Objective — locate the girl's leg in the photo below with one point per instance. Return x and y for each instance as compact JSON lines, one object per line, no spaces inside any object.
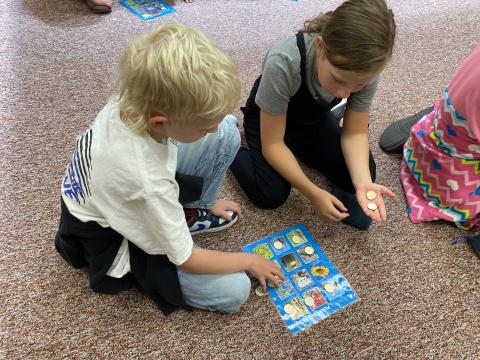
{"x":262,"y":184}
{"x":210,"y":158}
{"x":319,"y":146}
{"x":225,"y":292}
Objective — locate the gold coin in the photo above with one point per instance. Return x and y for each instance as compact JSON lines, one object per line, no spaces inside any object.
{"x":309,"y":250}
{"x":372,"y":206}
{"x":296,"y":239}
{"x":289,"y":309}
{"x":329,"y":287}
{"x":278,"y":245}
{"x":371,"y":195}
{"x":259,"y":291}
{"x":309,"y":301}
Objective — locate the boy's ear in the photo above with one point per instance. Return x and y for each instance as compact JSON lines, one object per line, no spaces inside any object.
{"x":157,"y":121}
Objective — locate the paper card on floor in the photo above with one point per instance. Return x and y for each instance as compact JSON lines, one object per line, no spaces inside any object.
{"x":313,"y":288}
{"x":147,"y":9}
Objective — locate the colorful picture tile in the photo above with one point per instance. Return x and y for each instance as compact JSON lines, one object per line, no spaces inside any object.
{"x":263,"y":250}
{"x":290,"y":262}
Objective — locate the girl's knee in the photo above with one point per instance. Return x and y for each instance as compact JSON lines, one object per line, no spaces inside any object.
{"x":271,"y":197}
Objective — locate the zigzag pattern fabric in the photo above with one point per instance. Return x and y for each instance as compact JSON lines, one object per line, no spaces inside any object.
{"x":441,"y":168}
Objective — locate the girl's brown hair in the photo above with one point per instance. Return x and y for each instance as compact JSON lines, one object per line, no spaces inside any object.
{"x":358,"y":35}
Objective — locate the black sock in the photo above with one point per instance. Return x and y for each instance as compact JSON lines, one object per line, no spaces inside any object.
{"x":357,"y":217}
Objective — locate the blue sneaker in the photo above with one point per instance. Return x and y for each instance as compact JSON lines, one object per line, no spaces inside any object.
{"x":205,"y":221}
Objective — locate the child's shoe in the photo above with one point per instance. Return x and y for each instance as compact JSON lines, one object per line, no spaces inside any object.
{"x":204,"y":221}
{"x":397,"y":133}
{"x":99,"y":8}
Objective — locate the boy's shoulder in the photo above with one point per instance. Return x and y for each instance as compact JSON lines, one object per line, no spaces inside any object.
{"x":117,"y":149}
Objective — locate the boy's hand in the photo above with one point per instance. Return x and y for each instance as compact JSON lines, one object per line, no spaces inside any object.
{"x":371,"y":193}
{"x":222,"y":207}
{"x":327,"y":205}
{"x":264,"y":270}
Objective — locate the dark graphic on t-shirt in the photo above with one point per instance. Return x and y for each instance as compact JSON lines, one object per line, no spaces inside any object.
{"x":76,"y":182}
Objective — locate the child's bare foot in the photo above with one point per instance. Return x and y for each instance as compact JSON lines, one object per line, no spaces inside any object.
{"x":100,"y":6}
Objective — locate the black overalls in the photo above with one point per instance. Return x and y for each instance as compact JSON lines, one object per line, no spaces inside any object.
{"x":312,"y":134}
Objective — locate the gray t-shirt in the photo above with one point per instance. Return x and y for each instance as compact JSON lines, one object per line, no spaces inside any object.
{"x":281,"y":79}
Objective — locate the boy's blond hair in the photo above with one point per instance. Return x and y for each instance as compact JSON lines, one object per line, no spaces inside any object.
{"x":359,"y":35}
{"x":178,"y":71}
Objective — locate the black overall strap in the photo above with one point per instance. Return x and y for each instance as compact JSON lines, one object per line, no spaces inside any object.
{"x":303,"y":55}
{"x":303,"y":66}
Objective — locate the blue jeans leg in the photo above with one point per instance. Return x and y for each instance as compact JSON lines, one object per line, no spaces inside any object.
{"x":224,"y":292}
{"x":209,"y":158}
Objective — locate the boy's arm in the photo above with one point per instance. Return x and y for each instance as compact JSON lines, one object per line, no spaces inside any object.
{"x":218,"y":262}
{"x":156,"y":224}
{"x":355,"y":148}
{"x":280,"y":157}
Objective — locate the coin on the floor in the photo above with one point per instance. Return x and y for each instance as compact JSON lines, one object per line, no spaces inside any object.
{"x":296,"y":239}
{"x":278,"y":245}
{"x":288,"y":308}
{"x":259,"y":291}
{"x":371,"y":195}
{"x":309,"y":301}
{"x":309,"y":250}
{"x":372,"y":206}
{"x":329,"y":287}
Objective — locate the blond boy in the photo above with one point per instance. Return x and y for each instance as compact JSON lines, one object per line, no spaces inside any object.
{"x":121,"y":214}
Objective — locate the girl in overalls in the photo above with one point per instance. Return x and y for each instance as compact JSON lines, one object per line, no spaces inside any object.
{"x":339,"y":54}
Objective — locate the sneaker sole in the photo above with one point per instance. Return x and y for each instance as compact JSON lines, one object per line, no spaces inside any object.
{"x":397,"y":133}
{"x":218,"y":228}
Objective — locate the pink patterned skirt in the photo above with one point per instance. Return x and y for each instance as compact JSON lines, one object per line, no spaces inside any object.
{"x":441,"y":168}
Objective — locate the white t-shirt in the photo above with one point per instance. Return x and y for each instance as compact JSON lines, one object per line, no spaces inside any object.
{"x":126,"y":181}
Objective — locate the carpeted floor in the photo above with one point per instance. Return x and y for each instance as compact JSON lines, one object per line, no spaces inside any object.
{"x":419,"y":295}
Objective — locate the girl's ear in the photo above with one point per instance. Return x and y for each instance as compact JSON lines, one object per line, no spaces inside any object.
{"x":319,"y":42}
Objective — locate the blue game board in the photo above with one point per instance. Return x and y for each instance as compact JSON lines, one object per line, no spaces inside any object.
{"x":147,"y":9}
{"x":313,"y":287}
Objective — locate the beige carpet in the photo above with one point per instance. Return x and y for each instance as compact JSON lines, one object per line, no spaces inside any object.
{"x":419,"y":296}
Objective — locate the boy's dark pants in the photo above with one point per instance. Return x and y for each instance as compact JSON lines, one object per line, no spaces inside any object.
{"x":88,"y":244}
